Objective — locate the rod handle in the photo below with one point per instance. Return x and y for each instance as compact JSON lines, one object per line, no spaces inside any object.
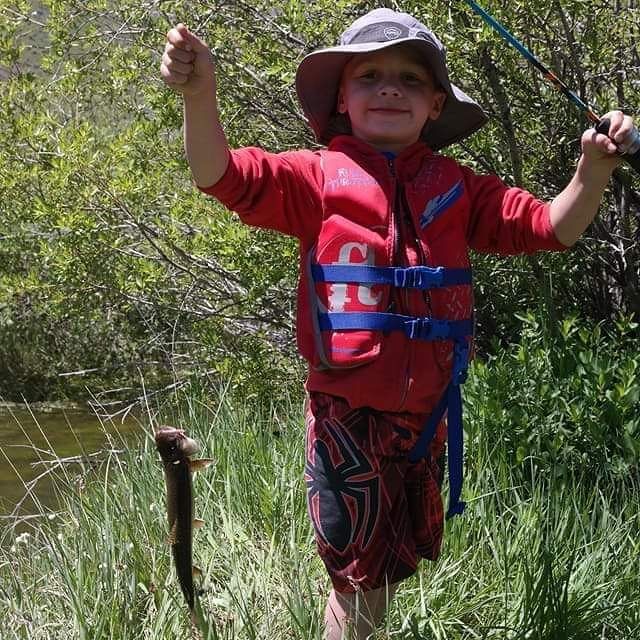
{"x":631,"y":159}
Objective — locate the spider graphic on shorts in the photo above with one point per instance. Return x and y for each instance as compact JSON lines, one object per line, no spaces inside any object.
{"x":342,"y":488}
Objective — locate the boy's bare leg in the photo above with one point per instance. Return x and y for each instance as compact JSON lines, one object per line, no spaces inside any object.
{"x":354,"y":616}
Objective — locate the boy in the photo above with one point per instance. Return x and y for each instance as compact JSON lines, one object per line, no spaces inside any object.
{"x":384,"y":301}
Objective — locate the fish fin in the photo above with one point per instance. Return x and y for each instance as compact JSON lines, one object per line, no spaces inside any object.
{"x":171,"y":538}
{"x":202,"y":463}
{"x":197,"y":523}
{"x":196,"y":571}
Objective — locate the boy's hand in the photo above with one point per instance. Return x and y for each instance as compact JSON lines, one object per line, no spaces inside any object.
{"x":573,"y":209}
{"x":602,"y":152}
{"x":187,"y":63}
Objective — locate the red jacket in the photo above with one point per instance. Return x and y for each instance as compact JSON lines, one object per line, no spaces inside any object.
{"x":350,"y":203}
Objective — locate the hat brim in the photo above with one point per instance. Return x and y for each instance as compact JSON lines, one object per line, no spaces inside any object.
{"x":318,"y":79}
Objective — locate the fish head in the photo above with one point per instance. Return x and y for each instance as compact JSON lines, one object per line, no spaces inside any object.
{"x":174,"y":444}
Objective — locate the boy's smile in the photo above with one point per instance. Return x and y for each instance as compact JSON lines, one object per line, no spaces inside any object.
{"x":389,"y":96}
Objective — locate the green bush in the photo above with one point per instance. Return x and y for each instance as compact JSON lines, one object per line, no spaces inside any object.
{"x":109,"y":258}
{"x":567,"y":404}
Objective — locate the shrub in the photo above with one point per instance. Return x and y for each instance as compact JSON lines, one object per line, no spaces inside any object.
{"x":567,"y":404}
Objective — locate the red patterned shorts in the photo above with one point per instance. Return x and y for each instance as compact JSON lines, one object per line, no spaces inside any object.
{"x":374,"y":514}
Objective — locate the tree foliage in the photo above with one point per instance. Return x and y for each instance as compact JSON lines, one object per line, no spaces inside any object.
{"x":111,"y":261}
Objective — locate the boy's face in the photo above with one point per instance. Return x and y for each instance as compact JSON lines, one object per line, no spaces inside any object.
{"x":389,"y":95}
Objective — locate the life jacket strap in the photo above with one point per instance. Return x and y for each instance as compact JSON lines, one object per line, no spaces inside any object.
{"x":451,"y":403}
{"x":417,"y":328}
{"x":403,"y":277}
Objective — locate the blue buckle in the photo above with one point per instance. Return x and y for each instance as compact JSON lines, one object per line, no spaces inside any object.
{"x":460,"y":361}
{"x":419,"y":277}
{"x":427,"y":329}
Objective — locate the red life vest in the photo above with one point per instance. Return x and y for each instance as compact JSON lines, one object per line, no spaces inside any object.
{"x":359,"y":229}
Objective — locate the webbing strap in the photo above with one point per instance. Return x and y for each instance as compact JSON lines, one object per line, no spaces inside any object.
{"x":455,"y":450}
{"x":404,"y":277}
{"x":415,"y":328}
{"x":451,"y":402}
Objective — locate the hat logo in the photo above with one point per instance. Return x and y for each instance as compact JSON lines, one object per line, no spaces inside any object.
{"x":392,"y":33}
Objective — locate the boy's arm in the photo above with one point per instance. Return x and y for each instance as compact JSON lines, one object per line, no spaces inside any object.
{"x":573,"y":209}
{"x":188,"y":68}
{"x":274,"y":191}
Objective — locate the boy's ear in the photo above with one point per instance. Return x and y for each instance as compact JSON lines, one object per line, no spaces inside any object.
{"x":438,"y":105}
{"x":341,"y":106}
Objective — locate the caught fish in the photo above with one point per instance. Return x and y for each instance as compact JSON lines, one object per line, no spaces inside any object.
{"x":176,"y":449}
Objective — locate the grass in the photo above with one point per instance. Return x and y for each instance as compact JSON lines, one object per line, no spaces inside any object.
{"x":533,"y":558}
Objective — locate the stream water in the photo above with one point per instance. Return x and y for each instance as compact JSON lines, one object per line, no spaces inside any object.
{"x":36,"y":445}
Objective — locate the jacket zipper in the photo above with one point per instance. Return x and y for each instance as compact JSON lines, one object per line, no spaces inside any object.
{"x":395,"y":229}
{"x":394,"y":184}
{"x":401,"y":207}
{"x":421,"y":254}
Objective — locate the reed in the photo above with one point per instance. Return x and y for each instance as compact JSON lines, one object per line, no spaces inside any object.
{"x":538,"y":555}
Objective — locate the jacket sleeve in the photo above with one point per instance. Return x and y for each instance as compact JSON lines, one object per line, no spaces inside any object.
{"x":274,"y":191}
{"x":507,"y":220}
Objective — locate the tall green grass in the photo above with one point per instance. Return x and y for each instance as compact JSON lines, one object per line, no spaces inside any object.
{"x":538,"y":554}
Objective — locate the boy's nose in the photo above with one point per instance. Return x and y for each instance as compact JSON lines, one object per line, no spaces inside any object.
{"x":389,"y":89}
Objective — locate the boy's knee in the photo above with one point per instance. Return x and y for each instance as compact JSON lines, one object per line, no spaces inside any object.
{"x":356,"y":613}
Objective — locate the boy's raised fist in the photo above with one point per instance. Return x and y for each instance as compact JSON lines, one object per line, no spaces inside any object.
{"x":187,"y":63}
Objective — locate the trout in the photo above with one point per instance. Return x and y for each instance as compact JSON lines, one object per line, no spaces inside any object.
{"x":176,"y":449}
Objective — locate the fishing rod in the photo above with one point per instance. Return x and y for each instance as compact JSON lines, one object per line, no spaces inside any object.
{"x":601,"y":125}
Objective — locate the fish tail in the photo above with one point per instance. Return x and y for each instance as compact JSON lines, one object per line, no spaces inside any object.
{"x":199,"y":621}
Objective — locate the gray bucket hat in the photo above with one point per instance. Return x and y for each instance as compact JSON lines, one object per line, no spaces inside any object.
{"x":319,"y":75}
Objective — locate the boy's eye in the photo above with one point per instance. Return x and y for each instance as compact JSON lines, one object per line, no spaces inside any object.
{"x":409,"y":77}
{"x":412,"y":78}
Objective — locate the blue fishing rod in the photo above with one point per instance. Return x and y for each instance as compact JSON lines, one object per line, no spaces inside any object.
{"x":601,"y":125}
